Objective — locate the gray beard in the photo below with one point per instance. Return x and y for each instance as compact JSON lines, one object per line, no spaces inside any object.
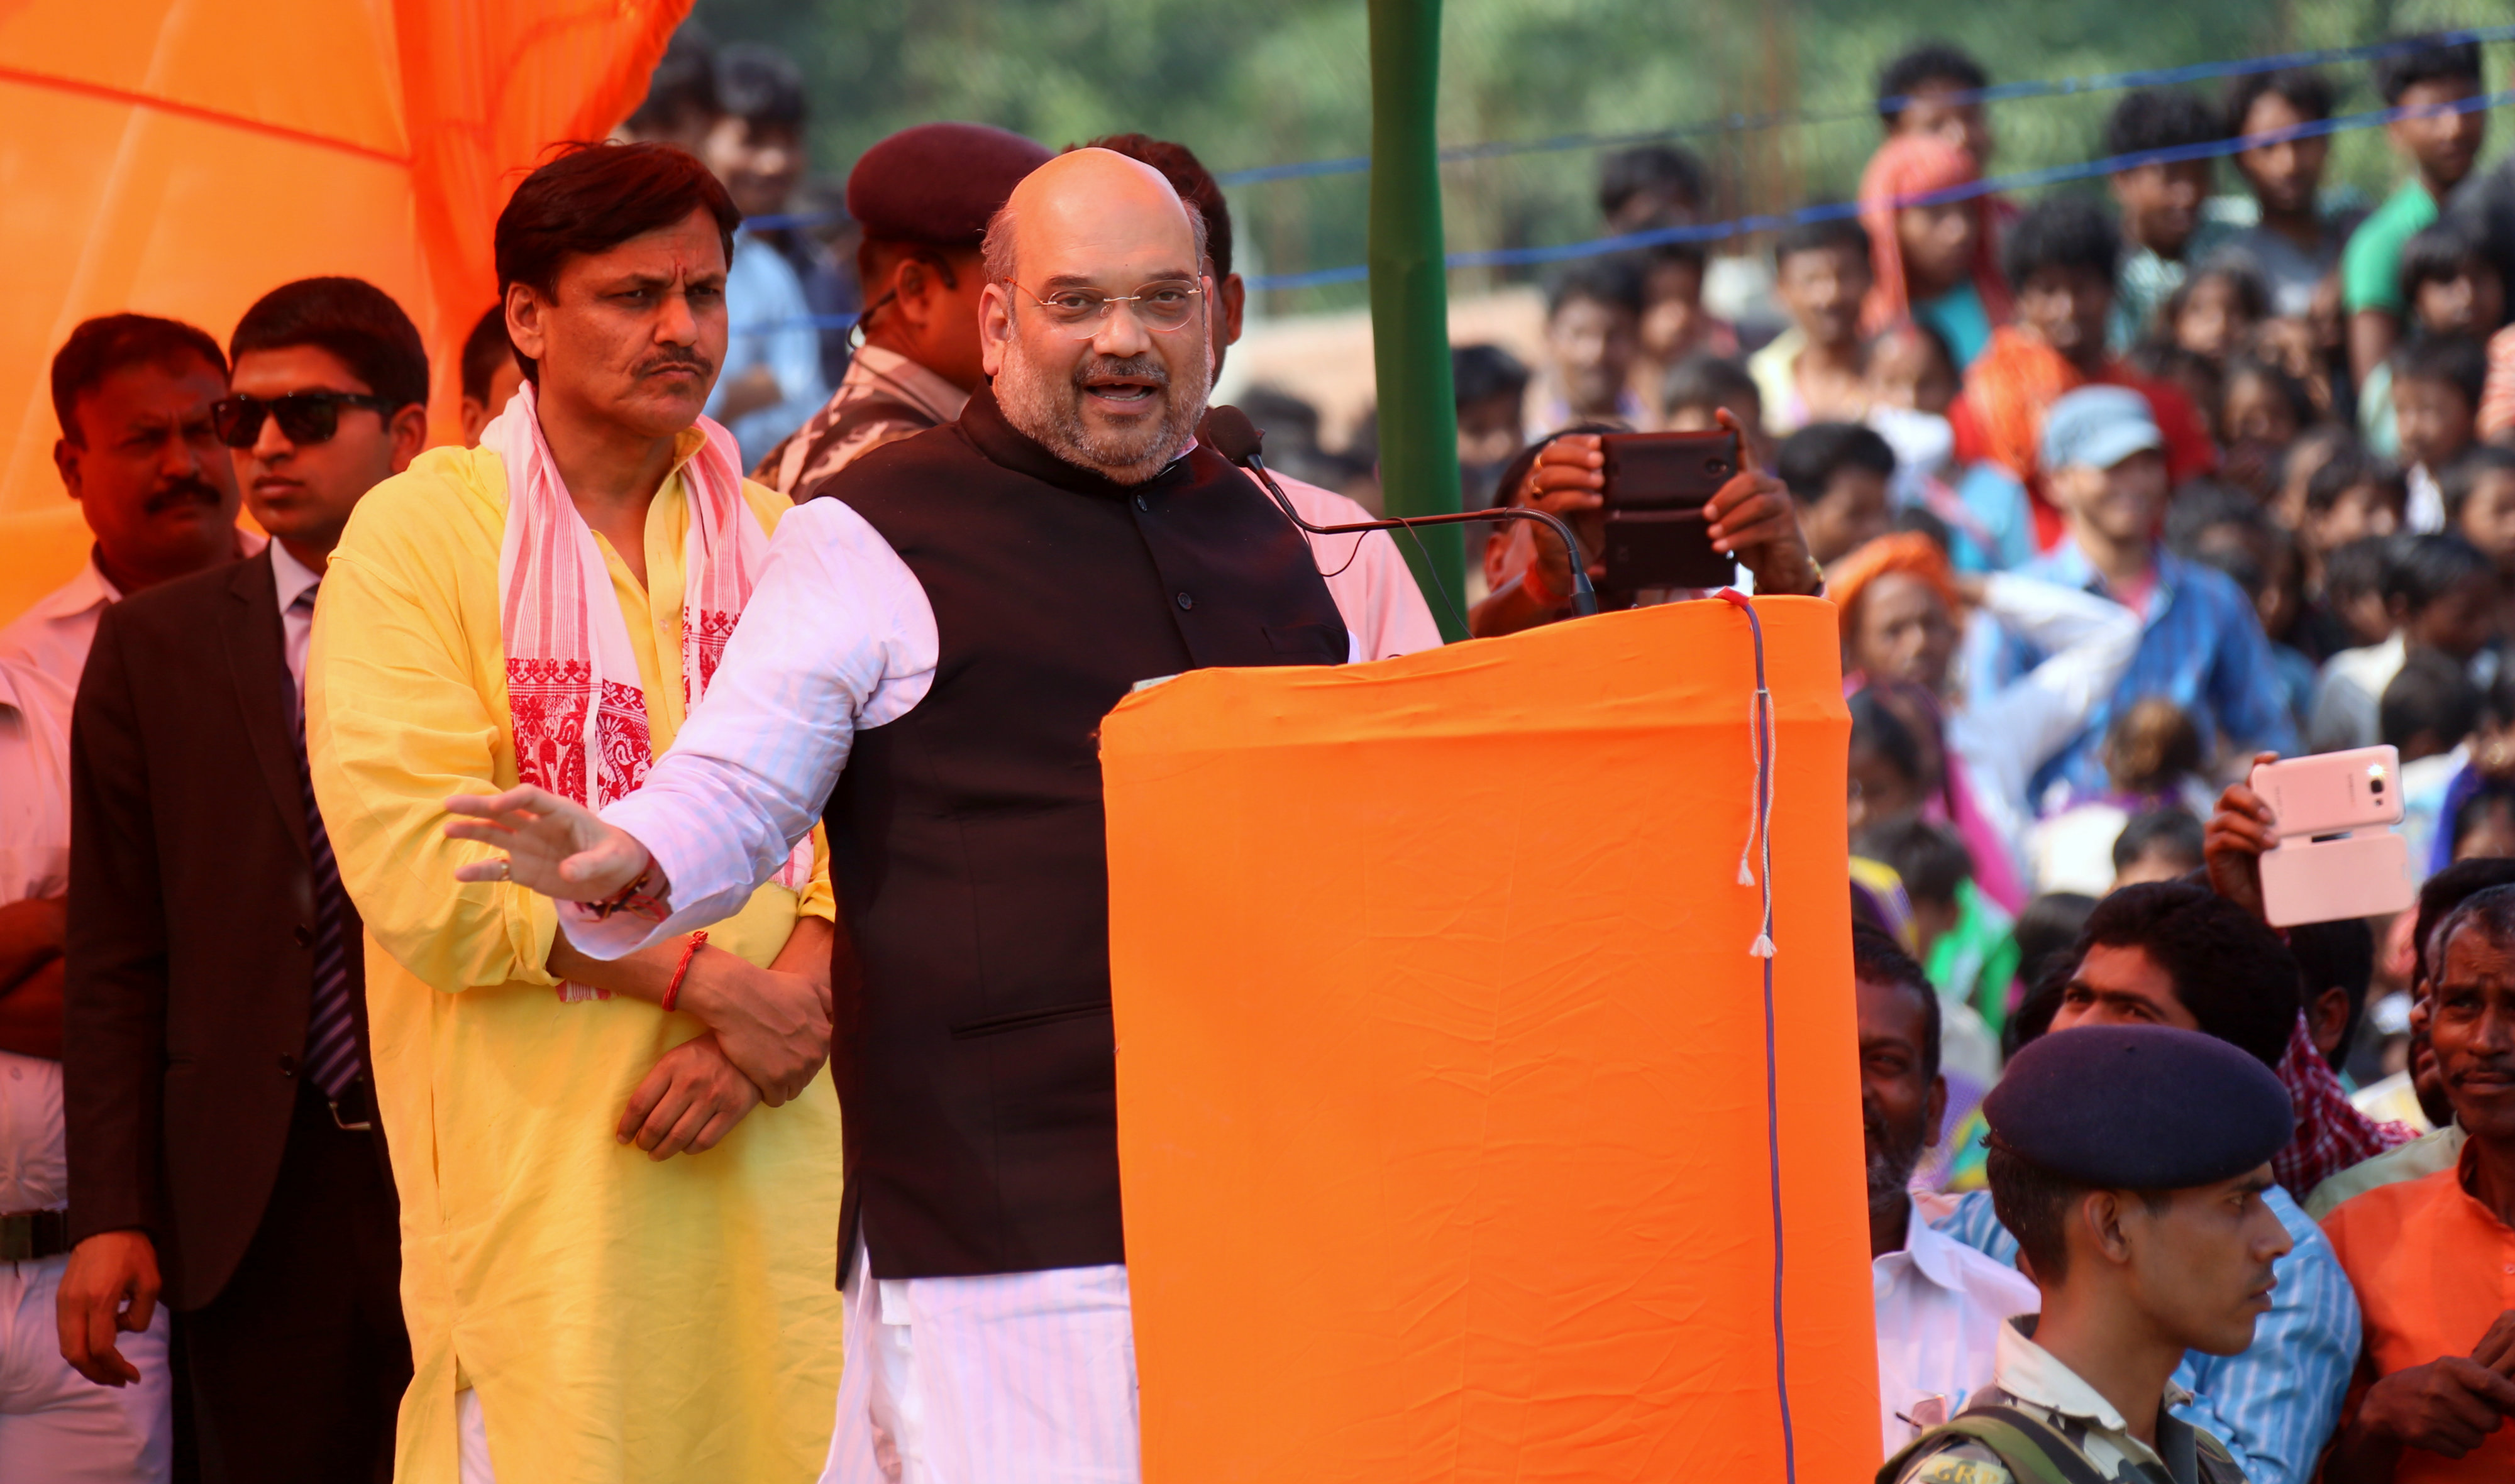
{"x":1049,"y":410}
{"x":1891,"y":1164}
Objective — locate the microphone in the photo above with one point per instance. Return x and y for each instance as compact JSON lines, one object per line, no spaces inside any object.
{"x":1228,"y":431}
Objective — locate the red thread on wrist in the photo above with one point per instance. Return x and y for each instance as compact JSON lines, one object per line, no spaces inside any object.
{"x":673,"y":991}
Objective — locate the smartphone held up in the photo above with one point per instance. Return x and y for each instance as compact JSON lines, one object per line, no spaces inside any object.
{"x":2336,"y":854}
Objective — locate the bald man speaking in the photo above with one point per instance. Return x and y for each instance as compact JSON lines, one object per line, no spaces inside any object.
{"x":924,"y":662}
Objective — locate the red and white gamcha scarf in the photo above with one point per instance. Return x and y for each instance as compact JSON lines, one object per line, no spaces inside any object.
{"x":578,"y":707}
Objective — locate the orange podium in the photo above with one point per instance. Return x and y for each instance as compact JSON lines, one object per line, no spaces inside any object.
{"x":1457,"y":1142}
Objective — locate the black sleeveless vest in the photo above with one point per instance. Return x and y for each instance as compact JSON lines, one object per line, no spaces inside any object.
{"x":973,"y":1050}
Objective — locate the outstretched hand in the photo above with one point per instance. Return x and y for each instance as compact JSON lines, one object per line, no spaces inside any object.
{"x":554,"y":845}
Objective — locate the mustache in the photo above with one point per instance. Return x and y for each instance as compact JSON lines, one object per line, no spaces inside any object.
{"x":188,"y":489}
{"x":676,"y":360}
{"x":1142,"y":367}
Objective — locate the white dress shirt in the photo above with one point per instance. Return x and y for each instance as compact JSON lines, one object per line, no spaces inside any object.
{"x":54,"y":635}
{"x":34,"y":862}
{"x":1941,"y":1308}
{"x":296,"y":624}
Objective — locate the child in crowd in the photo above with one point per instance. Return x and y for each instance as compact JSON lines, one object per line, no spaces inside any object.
{"x":2354,"y":583}
{"x":1491,"y":385}
{"x":2153,"y":760}
{"x":1961,"y":936}
{"x":1592,"y":339}
{"x":2213,"y":315}
{"x":2441,"y":593}
{"x":1909,"y":379}
{"x":1811,"y":371}
{"x":2261,"y":412}
{"x":2486,"y":764}
{"x":2479,"y":493}
{"x":1838,"y":475}
{"x":2351,"y":497}
{"x":2441,"y":140}
{"x":1649,"y":186}
{"x":2156,"y":845}
{"x":2453,"y":288}
{"x":2437,"y":382}
{"x":2160,"y":201}
{"x":1701,"y":387}
{"x":2429,"y":711}
{"x":1674,"y":324}
{"x":2311,"y":449}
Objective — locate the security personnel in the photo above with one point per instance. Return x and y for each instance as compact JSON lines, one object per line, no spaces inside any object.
{"x":2129,"y":1161}
{"x":924,"y":197}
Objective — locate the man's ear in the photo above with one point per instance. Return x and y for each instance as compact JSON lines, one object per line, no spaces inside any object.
{"x":912,"y":288}
{"x":65,"y":459}
{"x":995,"y":327}
{"x":409,"y":432}
{"x":2328,"y":1015}
{"x":1934,"y":1113}
{"x":2100,"y":1216}
{"x":524,"y":322}
{"x":1234,"y":295}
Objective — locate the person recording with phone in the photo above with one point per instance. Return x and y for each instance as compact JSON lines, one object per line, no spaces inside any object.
{"x":1748,"y":518}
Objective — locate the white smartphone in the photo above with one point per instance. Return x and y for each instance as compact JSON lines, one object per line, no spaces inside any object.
{"x":2331,"y":793}
{"x":2323,"y":881}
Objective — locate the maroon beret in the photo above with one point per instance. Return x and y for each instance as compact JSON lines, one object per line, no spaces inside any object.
{"x":939,"y":184}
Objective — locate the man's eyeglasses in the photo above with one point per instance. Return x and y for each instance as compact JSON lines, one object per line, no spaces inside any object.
{"x":306,"y":417}
{"x":1080,"y":312}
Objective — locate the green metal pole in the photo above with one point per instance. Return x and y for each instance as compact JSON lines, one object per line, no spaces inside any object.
{"x":1410,"y":298}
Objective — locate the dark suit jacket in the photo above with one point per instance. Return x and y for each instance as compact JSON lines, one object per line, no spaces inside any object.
{"x":192,"y":924}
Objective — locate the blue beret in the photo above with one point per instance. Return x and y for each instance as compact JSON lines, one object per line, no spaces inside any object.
{"x":2141,"y":1107}
{"x":939,"y":184}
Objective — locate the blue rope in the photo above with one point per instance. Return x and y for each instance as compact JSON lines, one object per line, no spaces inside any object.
{"x":1761,"y":820}
{"x":2024,"y":180}
{"x":1732,"y":123}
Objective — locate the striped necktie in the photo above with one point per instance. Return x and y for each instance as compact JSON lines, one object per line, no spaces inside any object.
{"x":331,"y":1032}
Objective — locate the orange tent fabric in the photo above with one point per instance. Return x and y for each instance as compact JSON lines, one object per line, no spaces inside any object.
{"x":183,"y":157}
{"x":1442,"y":1063}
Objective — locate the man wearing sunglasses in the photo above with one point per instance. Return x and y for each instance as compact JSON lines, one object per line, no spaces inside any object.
{"x":225,"y":1157}
{"x":139,"y":453}
{"x":929,"y":652}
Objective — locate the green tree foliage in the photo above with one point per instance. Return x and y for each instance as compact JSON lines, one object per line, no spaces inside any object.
{"x":1267,"y":81}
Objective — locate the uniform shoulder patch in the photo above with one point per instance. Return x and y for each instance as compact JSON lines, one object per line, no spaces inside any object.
{"x":1965,"y":1463}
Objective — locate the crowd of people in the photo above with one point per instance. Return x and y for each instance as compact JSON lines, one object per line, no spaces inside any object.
{"x":765,"y":661}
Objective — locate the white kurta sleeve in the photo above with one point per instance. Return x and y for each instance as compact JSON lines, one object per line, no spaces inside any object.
{"x":838,"y":636}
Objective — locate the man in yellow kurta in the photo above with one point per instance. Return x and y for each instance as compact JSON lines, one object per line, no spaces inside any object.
{"x":584,"y":1306}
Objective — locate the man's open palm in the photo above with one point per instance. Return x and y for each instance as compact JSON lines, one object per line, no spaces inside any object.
{"x":554,"y":845}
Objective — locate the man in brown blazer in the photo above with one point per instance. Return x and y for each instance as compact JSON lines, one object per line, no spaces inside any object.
{"x":223,"y":1149}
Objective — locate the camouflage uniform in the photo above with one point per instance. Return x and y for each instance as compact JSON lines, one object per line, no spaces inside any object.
{"x":2027,"y":1378}
{"x":883,"y":397}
